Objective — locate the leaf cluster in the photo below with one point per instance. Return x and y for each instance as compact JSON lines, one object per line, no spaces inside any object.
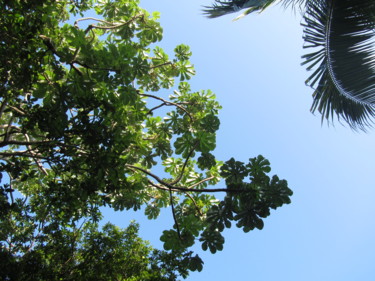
{"x":246,"y":203}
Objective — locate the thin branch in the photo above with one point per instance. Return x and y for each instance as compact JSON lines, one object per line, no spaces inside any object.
{"x":17,"y":109}
{"x":195,"y":203}
{"x":160,"y":186}
{"x":11,"y":189}
{"x":167,"y":102}
{"x":49,"y":44}
{"x":73,"y":243}
{"x":91,"y":67}
{"x":47,"y":78}
{"x":21,"y":153}
{"x":164,"y":104}
{"x":36,"y":160}
{"x":15,"y":142}
{"x":90,"y":18}
{"x":111,"y":25}
{"x":202,"y":181}
{"x":183,"y":189}
{"x":11,"y":126}
{"x":76,"y":69}
{"x":25,"y":200}
{"x":7,"y":132}
{"x":184,"y":166}
{"x":76,"y":55}
{"x":151,"y":175}
{"x":160,"y":65}
{"x":2,"y":107}
{"x":174,"y":215}
{"x":156,"y":107}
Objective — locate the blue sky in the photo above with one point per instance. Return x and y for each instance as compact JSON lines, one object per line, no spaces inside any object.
{"x":253,"y":66}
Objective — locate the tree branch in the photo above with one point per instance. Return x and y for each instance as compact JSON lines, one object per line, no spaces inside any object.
{"x":184,"y":166}
{"x":7,"y":131}
{"x":160,"y":65}
{"x":91,"y":67}
{"x":161,"y":105}
{"x":167,"y":103}
{"x":11,"y":126}
{"x":161,"y":187}
{"x":10,"y":188}
{"x":14,"y":142}
{"x":21,"y":153}
{"x":195,"y":203}
{"x":156,"y":107}
{"x":90,"y":18}
{"x":202,"y":181}
{"x":110,"y":25}
{"x":76,"y":69}
{"x":174,"y":214}
{"x":2,"y":107}
{"x":36,"y":160}
{"x":17,"y":110}
{"x":183,"y":189}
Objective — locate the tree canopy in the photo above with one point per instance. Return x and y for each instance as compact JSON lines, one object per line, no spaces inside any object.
{"x":94,"y":114}
{"x":82,"y":252}
{"x":341,"y":36}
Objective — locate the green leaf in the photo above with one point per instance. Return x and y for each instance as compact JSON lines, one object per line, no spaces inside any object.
{"x":173,"y":242}
{"x":196,"y":264}
{"x":185,"y":70}
{"x":206,"y":161}
{"x":183,"y":52}
{"x":219,"y":216}
{"x":233,"y":171}
{"x":152,"y":211}
{"x":212,"y":240}
{"x":210,"y":123}
{"x":184,"y":144}
{"x":127,"y":95}
{"x":206,"y":142}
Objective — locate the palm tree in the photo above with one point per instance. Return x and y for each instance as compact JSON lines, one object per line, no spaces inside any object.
{"x":341,"y":34}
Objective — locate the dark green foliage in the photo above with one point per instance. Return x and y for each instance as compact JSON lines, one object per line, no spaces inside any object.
{"x":247,"y":203}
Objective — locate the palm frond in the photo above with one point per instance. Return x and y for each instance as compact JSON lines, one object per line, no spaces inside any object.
{"x":295,"y":3}
{"x":225,"y":7}
{"x":343,"y":62}
{"x":220,"y":8}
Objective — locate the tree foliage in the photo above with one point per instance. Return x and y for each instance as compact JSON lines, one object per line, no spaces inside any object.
{"x":82,"y":252}
{"x":91,"y":111}
{"x":341,"y":36}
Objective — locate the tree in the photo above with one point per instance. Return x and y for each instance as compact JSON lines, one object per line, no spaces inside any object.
{"x":81,"y":252}
{"x":86,"y":123}
{"x":341,"y":33}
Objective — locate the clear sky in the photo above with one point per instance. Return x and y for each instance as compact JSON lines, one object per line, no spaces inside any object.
{"x":253,"y":65}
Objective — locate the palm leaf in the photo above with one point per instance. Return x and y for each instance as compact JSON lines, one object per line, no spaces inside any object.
{"x":224,"y":7}
{"x":343,"y":64}
{"x":220,"y":8}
